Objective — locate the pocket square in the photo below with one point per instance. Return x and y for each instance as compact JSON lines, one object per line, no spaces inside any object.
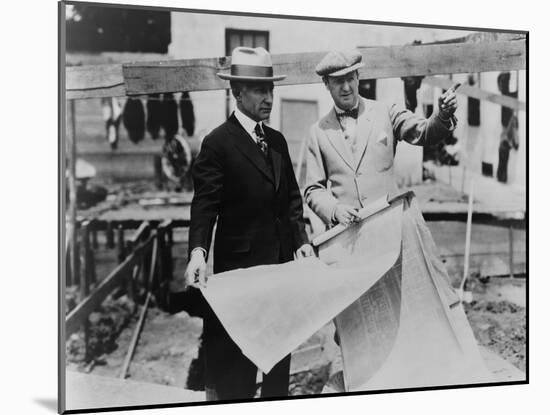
{"x":382,"y":139}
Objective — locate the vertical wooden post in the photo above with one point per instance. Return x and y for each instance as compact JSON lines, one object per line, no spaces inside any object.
{"x":148,"y":261}
{"x":467,"y":244}
{"x":77,"y":276}
{"x":86,"y":277}
{"x":164,"y":264}
{"x":160,"y":261}
{"x":169,"y":266}
{"x":463,"y":178}
{"x":109,"y":236}
{"x":68,"y":262}
{"x":170,"y":236}
{"x":72,"y":231}
{"x":131,"y":286}
{"x":93,"y":275}
{"x":121,"y":244}
{"x":95,"y":244}
{"x":84,"y":283}
{"x":158,"y":171}
{"x":511,"y":249}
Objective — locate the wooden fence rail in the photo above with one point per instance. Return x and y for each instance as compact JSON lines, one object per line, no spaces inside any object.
{"x":79,"y":315}
{"x":96,"y":81}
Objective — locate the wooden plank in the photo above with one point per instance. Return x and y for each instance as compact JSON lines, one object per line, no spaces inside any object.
{"x":480,"y":94}
{"x":94,"y":81}
{"x":380,"y":62}
{"x":81,"y":312}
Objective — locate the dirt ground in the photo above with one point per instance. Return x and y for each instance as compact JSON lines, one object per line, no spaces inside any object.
{"x":498,"y":317}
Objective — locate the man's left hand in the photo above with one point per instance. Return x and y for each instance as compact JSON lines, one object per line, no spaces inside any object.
{"x":304,"y":251}
{"x":448,"y":103}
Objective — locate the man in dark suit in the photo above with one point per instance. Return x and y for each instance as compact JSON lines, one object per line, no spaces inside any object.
{"x":243,"y":178}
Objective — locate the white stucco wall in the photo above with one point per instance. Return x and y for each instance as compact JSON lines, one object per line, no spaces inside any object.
{"x":203,"y":35}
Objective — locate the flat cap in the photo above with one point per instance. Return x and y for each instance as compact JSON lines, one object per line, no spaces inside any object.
{"x":338,"y":63}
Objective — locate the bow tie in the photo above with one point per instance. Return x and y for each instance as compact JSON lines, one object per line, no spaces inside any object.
{"x":353,"y":113}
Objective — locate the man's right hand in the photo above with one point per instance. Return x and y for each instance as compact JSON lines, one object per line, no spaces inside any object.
{"x":195,"y":274}
{"x":346,"y":214}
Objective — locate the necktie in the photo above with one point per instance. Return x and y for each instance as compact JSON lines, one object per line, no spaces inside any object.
{"x":353,"y":113}
{"x":261,"y":139}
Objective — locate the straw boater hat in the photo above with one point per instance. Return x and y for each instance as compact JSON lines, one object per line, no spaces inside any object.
{"x":339,"y":63}
{"x":251,"y":64}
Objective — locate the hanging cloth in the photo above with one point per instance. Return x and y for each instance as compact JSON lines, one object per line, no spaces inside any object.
{"x":170,"y":122}
{"x":133,"y":118}
{"x":154,"y":115}
{"x":187,"y":114}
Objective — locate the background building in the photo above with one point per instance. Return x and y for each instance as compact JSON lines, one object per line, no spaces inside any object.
{"x":296,"y":107}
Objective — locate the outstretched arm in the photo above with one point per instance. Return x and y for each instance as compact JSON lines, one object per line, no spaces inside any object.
{"x":417,"y":130}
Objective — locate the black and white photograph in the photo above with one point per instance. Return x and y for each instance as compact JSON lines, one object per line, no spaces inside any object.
{"x":259,"y":207}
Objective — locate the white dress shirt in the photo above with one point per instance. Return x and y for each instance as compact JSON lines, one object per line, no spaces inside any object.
{"x":248,"y":124}
{"x":349,"y":127}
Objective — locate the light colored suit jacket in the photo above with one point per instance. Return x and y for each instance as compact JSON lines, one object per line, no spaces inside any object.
{"x":334,"y":175}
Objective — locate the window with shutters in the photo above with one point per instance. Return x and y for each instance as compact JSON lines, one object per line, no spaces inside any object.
{"x":249,"y":38}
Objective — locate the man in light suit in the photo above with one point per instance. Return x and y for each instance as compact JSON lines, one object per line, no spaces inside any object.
{"x":243,"y":178}
{"x":351,"y":149}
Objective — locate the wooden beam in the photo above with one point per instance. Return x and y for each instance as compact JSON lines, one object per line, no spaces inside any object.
{"x":480,"y":94}
{"x":380,"y":62}
{"x":81,"y":312}
{"x":94,"y":81}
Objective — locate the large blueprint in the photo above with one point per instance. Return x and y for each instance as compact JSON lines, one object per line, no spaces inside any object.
{"x":408,"y":329}
{"x":398,"y":319}
{"x":270,"y":310}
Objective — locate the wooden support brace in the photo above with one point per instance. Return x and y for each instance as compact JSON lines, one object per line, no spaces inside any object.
{"x":81,"y":312}
{"x":141,"y":232}
{"x":137,"y":332}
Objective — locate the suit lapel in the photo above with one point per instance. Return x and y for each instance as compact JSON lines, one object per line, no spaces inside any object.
{"x":364,"y":129}
{"x":246,"y":146}
{"x":337,"y":139}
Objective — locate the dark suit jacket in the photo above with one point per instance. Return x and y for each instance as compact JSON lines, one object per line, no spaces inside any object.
{"x":258,"y":206}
